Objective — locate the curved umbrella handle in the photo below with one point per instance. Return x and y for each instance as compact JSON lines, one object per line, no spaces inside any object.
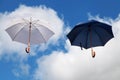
{"x":93,"y":53}
{"x":27,"y":50}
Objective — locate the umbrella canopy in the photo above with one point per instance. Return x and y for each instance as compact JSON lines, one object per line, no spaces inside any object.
{"x":90,"y":34}
{"x":30,"y":32}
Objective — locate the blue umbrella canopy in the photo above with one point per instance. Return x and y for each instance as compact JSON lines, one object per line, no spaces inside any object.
{"x":90,"y":34}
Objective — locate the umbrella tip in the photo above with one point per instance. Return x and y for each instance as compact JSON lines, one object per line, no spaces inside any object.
{"x":81,"y":46}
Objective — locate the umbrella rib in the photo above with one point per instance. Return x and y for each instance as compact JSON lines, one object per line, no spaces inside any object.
{"x":44,"y":26}
{"x":104,"y":29}
{"x":18,"y":33}
{"x":99,"y":36}
{"x":40,"y":33}
{"x":80,"y":32}
{"x":87,"y":39}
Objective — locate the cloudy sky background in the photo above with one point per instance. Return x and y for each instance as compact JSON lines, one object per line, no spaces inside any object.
{"x":57,"y":59}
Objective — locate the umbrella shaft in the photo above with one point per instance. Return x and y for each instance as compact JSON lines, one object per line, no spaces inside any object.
{"x":29,"y":35}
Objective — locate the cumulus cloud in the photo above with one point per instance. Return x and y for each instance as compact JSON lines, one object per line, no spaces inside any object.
{"x":79,"y":65}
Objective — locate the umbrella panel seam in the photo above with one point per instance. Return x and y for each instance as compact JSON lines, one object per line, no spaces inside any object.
{"x":40,"y":33}
{"x":18,"y":32}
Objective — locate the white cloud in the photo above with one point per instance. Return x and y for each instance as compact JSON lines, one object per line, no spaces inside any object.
{"x":23,"y":70}
{"x":79,"y":65}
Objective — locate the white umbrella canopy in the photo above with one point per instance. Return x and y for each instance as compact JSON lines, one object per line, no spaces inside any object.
{"x":30,"y":32}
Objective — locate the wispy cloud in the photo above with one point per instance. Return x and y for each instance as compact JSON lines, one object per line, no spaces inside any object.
{"x":22,"y":70}
{"x":79,"y":65}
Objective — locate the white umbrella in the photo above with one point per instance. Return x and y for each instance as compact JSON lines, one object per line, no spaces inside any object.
{"x":30,"y":32}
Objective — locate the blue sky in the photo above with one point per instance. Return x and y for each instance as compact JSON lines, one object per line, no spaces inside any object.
{"x":70,"y":12}
{"x":73,"y":11}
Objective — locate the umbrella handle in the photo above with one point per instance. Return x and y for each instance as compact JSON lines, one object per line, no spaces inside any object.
{"x":27,"y":50}
{"x":93,"y":53}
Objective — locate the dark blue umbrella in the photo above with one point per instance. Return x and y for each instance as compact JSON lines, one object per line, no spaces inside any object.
{"x":90,"y":34}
